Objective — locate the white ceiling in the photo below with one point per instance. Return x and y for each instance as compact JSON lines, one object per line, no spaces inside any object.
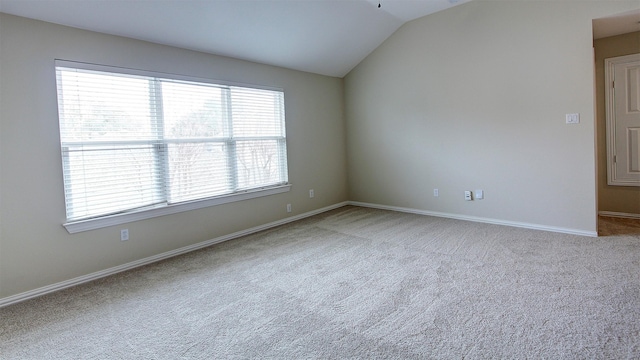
{"x":617,"y":24}
{"x":327,"y":37}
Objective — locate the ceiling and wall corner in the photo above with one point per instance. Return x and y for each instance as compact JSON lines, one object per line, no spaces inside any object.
{"x":327,"y":37}
{"x":618,"y":24}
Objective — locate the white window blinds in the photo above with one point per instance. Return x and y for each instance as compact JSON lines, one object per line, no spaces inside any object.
{"x":132,"y":141}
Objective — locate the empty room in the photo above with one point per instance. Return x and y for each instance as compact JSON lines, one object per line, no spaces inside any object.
{"x":296,"y":179}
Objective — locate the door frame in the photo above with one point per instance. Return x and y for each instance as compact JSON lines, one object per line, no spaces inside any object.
{"x":609,"y":68}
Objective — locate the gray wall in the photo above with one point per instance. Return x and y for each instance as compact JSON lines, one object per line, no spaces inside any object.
{"x":35,"y":250}
{"x":475,"y":97}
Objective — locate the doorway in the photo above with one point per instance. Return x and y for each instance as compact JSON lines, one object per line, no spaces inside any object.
{"x":618,"y":206}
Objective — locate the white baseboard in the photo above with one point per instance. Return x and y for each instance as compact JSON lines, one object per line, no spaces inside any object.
{"x":148,"y":260}
{"x":479,"y":219}
{"x":151,"y":259}
{"x":619,"y":214}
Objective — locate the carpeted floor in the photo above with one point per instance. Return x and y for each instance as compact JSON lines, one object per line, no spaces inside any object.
{"x":353,"y":283}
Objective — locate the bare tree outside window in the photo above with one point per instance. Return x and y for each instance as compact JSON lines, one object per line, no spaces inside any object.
{"x":133,"y":141}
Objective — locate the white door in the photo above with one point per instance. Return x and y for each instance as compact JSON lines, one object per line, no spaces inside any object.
{"x":623,"y":119}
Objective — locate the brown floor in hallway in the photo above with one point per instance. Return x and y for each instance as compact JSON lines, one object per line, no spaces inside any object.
{"x":608,"y":226}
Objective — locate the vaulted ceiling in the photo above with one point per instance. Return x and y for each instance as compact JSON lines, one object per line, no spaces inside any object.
{"x":327,"y":37}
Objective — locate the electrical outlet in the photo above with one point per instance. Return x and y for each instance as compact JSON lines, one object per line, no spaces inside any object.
{"x":311,"y":193}
{"x":468,"y":195}
{"x":124,"y":234}
{"x":288,"y":207}
{"x":436,"y":193}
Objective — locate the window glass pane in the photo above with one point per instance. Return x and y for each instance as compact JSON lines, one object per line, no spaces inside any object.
{"x":193,"y":111}
{"x":257,"y":112}
{"x":103,"y":180}
{"x":131,"y":140}
{"x":103,"y":107}
{"x":259,"y":163}
{"x":198,"y":170}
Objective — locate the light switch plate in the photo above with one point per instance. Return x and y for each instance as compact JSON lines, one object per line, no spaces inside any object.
{"x":573,"y":118}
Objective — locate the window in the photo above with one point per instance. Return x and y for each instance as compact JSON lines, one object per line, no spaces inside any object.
{"x":134,"y":141}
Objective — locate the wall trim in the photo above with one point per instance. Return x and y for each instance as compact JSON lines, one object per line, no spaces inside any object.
{"x":479,"y":219}
{"x":27,"y":295}
{"x":619,"y":214}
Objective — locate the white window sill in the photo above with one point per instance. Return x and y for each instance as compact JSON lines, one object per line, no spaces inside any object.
{"x":117,"y":219}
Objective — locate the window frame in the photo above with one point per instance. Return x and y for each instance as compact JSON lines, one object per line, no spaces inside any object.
{"x":100,"y":221}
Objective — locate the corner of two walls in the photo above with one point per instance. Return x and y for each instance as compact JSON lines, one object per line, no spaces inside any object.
{"x":36,"y":251}
{"x":475,"y":97}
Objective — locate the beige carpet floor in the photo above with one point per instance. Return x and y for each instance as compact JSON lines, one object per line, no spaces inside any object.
{"x":353,"y":283}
